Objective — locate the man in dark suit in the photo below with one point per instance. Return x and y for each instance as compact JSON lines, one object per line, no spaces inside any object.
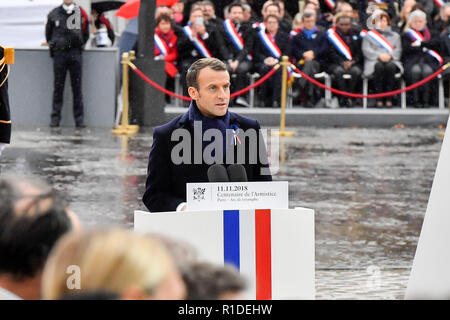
{"x":171,"y":167}
{"x":5,"y":120}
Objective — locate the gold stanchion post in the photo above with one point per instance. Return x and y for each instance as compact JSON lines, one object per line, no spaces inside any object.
{"x":125,"y":128}
{"x":284,"y":66}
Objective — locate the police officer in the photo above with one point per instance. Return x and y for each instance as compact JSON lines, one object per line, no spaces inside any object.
{"x":5,"y":120}
{"x":66,"y":33}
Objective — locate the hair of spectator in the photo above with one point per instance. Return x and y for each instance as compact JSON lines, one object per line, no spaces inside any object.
{"x":235,"y":4}
{"x":205,"y":281}
{"x":110,"y":260}
{"x":274,"y":4}
{"x":163,"y":17}
{"x":380,"y":14}
{"x":308,"y":14}
{"x":208,"y":3}
{"x":196,"y":7}
{"x":30,"y":225}
{"x":271,"y":16}
{"x":342,"y":15}
{"x":416,"y":14}
{"x":197,"y":66}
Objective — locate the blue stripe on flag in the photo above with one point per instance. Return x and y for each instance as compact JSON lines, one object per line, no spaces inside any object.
{"x":231,"y":237}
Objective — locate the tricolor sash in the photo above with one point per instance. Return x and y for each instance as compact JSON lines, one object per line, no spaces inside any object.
{"x":233,"y":34}
{"x":161,"y":46}
{"x":415,"y":36}
{"x":269,"y":44}
{"x":381,"y":40}
{"x":363,"y":33}
{"x":436,"y":55}
{"x":331,"y":4}
{"x":339,"y":44}
{"x":440,"y":3}
{"x":295,"y":32}
{"x":198,"y":42}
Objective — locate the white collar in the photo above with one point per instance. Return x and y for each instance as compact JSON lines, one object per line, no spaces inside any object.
{"x":69,"y":8}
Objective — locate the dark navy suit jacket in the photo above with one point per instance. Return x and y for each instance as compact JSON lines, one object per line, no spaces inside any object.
{"x":166,"y":181}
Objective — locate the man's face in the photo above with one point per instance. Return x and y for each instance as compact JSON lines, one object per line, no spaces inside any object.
{"x":164,"y":26}
{"x":418,"y":23}
{"x":309,"y":22}
{"x":272,"y":25}
{"x":236,"y":14}
{"x":194,"y":15}
{"x":213,"y":95}
{"x":208,"y":12}
{"x":344,"y":25}
{"x":272,"y":10}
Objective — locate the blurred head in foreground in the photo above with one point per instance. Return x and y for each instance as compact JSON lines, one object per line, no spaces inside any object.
{"x":33,"y":216}
{"x":120,"y":262}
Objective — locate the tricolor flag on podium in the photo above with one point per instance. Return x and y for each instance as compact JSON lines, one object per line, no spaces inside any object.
{"x":273,"y":249}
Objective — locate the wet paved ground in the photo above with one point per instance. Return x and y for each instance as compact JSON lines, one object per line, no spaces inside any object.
{"x":368,"y":187}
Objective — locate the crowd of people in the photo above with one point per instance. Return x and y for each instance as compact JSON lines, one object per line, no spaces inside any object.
{"x":348,"y":40}
{"x":47,"y":254}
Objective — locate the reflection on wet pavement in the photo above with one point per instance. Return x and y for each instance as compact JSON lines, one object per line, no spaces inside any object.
{"x":368,"y":187}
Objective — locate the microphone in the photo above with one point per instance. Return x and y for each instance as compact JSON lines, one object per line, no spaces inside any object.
{"x":218,"y":173}
{"x":237,"y":173}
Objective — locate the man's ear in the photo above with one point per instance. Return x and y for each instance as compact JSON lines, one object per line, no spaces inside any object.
{"x":193,"y":93}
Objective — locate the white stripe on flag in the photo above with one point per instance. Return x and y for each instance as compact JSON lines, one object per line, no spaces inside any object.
{"x":247,"y":250}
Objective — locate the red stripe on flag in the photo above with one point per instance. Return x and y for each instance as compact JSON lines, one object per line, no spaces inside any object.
{"x":263,"y":255}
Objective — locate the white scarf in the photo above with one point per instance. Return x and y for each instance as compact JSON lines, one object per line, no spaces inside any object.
{"x":69,"y":8}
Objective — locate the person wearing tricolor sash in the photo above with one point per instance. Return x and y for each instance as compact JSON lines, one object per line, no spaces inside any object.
{"x":195,"y":42}
{"x":166,"y":49}
{"x":382,"y":49}
{"x":237,"y":44}
{"x":420,"y":56}
{"x":5,"y":117}
{"x":270,"y":46}
{"x":309,"y":48}
{"x":345,"y":57}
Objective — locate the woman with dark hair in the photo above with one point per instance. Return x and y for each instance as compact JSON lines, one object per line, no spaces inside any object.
{"x":420,"y":57}
{"x":166,"y":49}
{"x":382,"y":49}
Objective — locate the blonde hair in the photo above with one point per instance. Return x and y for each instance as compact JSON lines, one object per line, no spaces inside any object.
{"x":110,"y":260}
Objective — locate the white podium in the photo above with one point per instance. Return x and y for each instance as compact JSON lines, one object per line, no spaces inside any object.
{"x":273,"y":249}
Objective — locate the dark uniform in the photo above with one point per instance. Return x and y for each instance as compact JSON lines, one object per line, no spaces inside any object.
{"x":5,"y":120}
{"x":66,"y":35}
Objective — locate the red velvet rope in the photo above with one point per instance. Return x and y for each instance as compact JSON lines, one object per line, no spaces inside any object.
{"x":170,"y":93}
{"x":376,"y":95}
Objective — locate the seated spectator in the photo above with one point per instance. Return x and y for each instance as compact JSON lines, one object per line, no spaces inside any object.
{"x":102,"y":30}
{"x":205,"y":281}
{"x":346,"y":9}
{"x":166,"y":49}
{"x":195,"y":43}
{"x":345,"y":57}
{"x":178,"y":9}
{"x":118,"y":262}
{"x":309,"y":48}
{"x":382,"y":49}
{"x":209,"y":13}
{"x":419,"y":56}
{"x":285,"y":17}
{"x":248,"y":14}
{"x":270,"y":46}
{"x":273,"y":8}
{"x":325,"y":12}
{"x":444,"y":16}
{"x":33,"y":216}
{"x":238,"y":42}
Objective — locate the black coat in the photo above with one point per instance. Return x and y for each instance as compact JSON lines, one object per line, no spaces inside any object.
{"x":5,"y":117}
{"x":59,"y":33}
{"x":445,"y":45}
{"x":355,"y":46}
{"x":229,"y":50}
{"x":260,"y":52}
{"x":414,"y":55}
{"x":319,"y":44}
{"x":166,"y":181}
{"x":188,"y":51}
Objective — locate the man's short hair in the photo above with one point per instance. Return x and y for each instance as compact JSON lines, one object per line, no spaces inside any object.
{"x":271,"y":16}
{"x":194,"y":70}
{"x":163,"y":17}
{"x":208,"y":3}
{"x":28,"y":234}
{"x":205,"y":281}
{"x":235,"y":4}
{"x":308,"y":14}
